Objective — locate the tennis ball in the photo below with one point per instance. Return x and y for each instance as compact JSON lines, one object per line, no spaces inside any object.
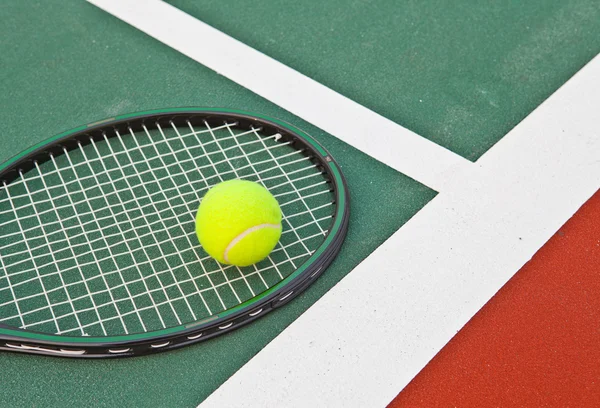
{"x":238,"y":222}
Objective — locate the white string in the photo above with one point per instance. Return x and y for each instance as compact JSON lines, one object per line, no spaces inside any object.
{"x":39,"y":277}
{"x":135,"y":266}
{"x":150,"y":170}
{"x":109,"y":257}
{"x":15,"y":299}
{"x":55,"y":264}
{"x":139,"y":264}
{"x":259,"y":271}
{"x":276,"y":196}
{"x":75,"y":258}
{"x":257,"y":174}
{"x":116,"y":160}
{"x":98,"y":159}
{"x":85,"y":214}
{"x":179,"y":191}
{"x":104,"y":239}
{"x":133,"y":200}
{"x":143,"y":262}
{"x":211,"y":131}
{"x":112,"y":217}
{"x":297,"y":191}
{"x":220,"y":177}
{"x":206,"y":185}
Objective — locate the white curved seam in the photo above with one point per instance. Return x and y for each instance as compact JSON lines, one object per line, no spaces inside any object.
{"x":243,"y":235}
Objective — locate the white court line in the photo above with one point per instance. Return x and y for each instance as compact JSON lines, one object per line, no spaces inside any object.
{"x":399,"y":148}
{"x":373,"y":332}
{"x":423,"y":284}
{"x":361,"y":343}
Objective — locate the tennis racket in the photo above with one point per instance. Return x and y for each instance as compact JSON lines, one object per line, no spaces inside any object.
{"x":98,"y":252}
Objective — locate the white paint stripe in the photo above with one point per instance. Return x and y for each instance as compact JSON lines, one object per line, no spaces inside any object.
{"x":244,"y":234}
{"x":362,"y":128}
{"x":373,"y":332}
{"x":441,"y":267}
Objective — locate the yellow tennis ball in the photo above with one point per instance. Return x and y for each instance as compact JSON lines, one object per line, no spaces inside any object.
{"x":238,"y":222}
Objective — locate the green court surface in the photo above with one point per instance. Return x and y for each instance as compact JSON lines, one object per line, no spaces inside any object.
{"x":459,"y":73}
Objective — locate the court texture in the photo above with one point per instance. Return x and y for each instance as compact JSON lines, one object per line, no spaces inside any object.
{"x":469,"y":134}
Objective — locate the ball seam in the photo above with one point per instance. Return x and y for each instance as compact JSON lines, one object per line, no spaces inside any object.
{"x":243,"y":235}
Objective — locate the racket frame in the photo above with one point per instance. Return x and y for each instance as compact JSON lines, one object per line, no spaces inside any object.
{"x":15,"y":339}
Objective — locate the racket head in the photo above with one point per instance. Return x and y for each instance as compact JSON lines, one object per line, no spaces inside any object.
{"x":192,"y":330}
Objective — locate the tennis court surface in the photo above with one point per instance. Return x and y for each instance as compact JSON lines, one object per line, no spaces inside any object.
{"x":469,"y":137}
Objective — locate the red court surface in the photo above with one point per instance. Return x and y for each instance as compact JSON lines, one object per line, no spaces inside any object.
{"x":536,"y":343}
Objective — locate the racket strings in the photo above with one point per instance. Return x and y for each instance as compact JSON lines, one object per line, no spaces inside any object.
{"x":256,"y":174}
{"x":126,"y":203}
{"x":143,"y":248}
{"x":100,"y":240}
{"x":88,"y":279}
{"x":112,"y":182}
{"x":111,"y":246}
{"x":257,"y":272}
{"x":126,"y":166}
{"x":220,"y":177}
